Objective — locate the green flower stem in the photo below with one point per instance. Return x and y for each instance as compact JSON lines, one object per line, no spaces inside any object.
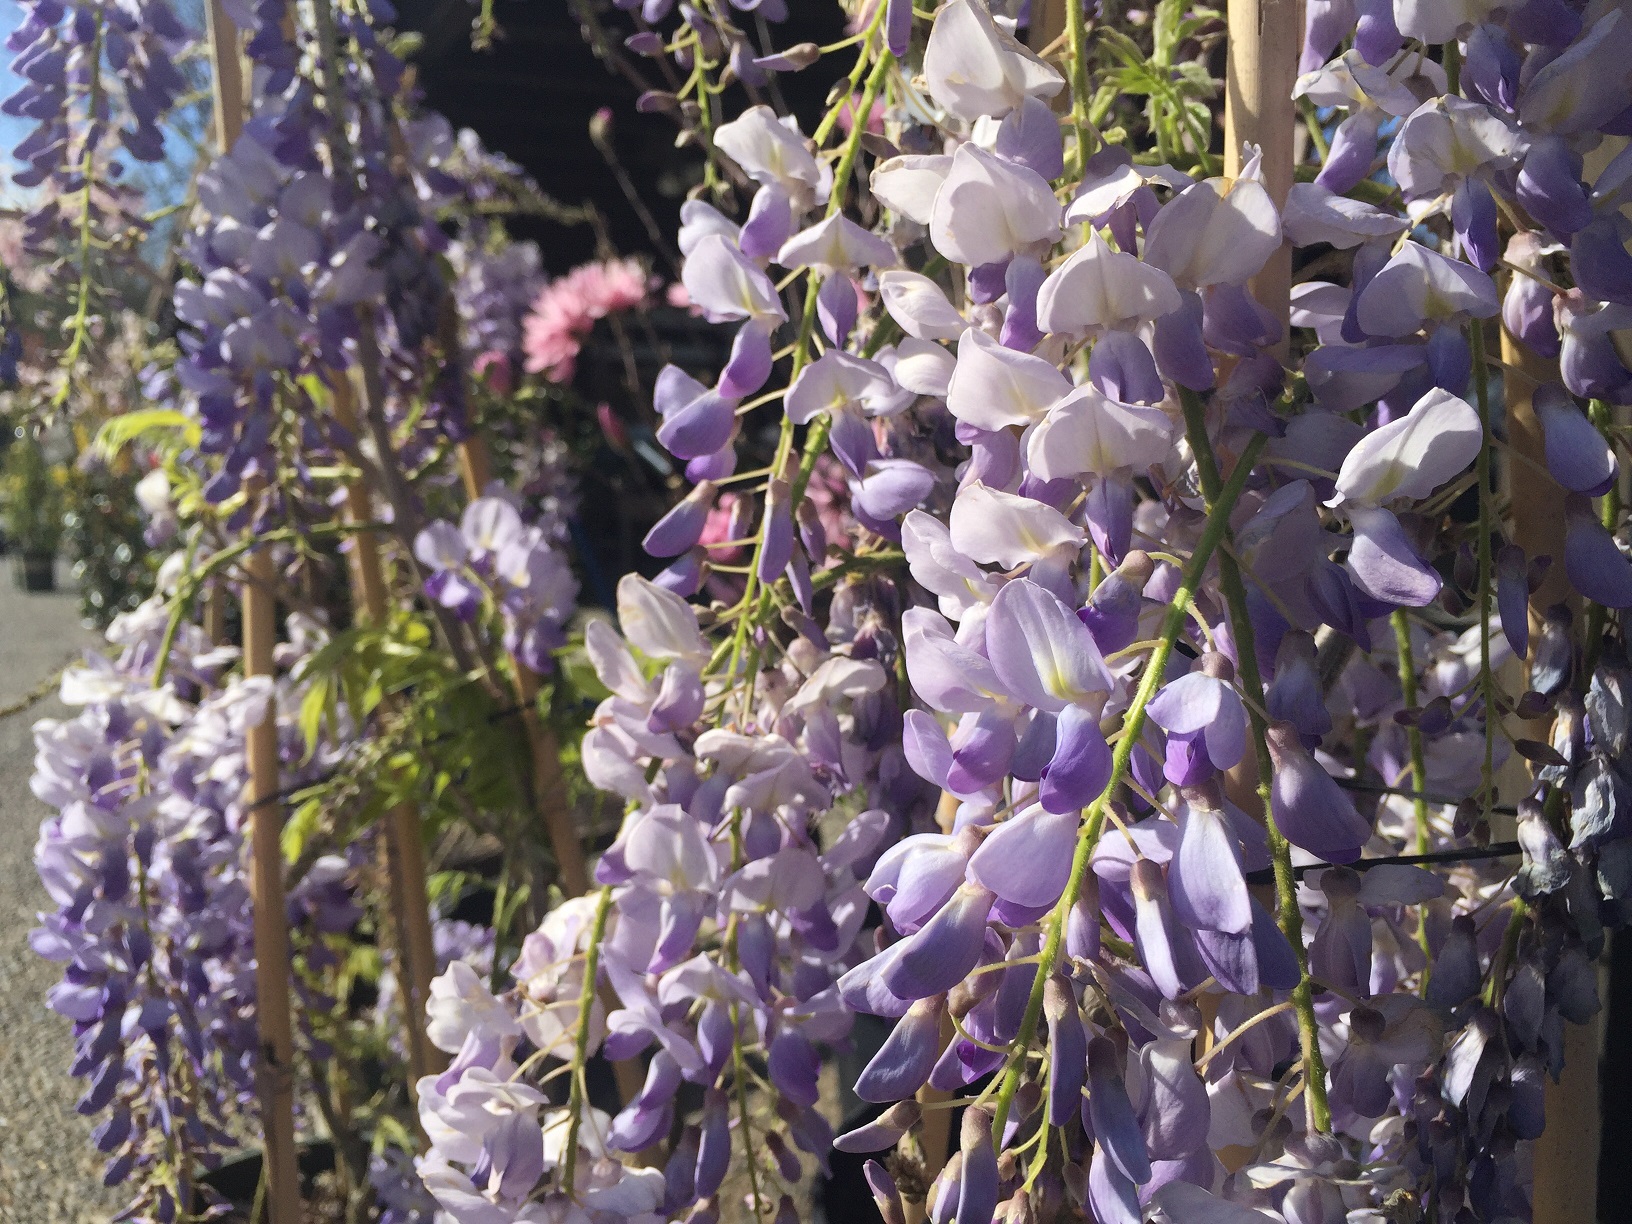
{"x":1487,"y":679}
{"x":752,"y":607}
{"x":1133,"y":724}
{"x":580,"y":1043}
{"x":1419,"y":767}
{"x":1609,"y":514}
{"x":1076,"y":30}
{"x":1252,"y":684}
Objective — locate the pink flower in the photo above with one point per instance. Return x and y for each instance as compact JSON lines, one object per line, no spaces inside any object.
{"x":718,"y":529}
{"x":875,"y":117}
{"x":494,"y":368}
{"x":566,"y":310}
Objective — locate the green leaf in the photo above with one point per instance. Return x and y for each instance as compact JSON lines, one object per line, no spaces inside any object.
{"x":127,"y":427}
{"x":300,"y":828}
{"x":1166,"y":31}
{"x":313,"y":706}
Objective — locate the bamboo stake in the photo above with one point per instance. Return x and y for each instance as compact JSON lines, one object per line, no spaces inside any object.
{"x":1565,"y":1158}
{"x":227,"y":90}
{"x":935,"y":1130}
{"x":549,"y":785}
{"x":1537,"y":500}
{"x":274,"y":1066}
{"x":1047,"y":24}
{"x":404,"y":841}
{"x":274,"y":1070}
{"x":1261,"y":69}
{"x":226,"y":77}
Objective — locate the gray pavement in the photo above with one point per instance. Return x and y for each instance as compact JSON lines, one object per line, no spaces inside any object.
{"x":48,"y":1172}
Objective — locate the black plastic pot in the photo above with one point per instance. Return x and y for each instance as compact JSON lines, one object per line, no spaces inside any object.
{"x":34,"y":571}
{"x":235,"y":1180}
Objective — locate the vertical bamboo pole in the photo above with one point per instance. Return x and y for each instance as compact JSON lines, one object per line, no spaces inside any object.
{"x":1047,"y":24}
{"x":1565,"y":1158}
{"x":226,"y":77}
{"x":404,"y":841}
{"x":227,"y":91}
{"x":274,"y":1068}
{"x":1537,"y":500}
{"x":1261,"y":69}
{"x":549,"y":786}
{"x":935,"y":1130}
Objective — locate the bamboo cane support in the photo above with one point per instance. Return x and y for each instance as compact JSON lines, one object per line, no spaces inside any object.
{"x":404,"y":841}
{"x":1047,"y":24}
{"x":549,"y":785}
{"x":1537,"y":500}
{"x":226,"y":76}
{"x":274,"y":1067}
{"x":935,"y":1130}
{"x":1565,"y":1158}
{"x":227,"y":91}
{"x":1261,"y":68}
{"x":274,"y":1071}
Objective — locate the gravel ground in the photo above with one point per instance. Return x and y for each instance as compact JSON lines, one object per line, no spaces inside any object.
{"x":48,"y":1172}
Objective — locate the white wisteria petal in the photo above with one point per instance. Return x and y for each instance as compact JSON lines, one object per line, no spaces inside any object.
{"x":974,"y":67}
{"x":1449,"y":139}
{"x":1413,"y":456}
{"x":989,"y":210}
{"x":1099,"y":287}
{"x":1584,"y":87}
{"x":941,"y":568}
{"x":923,"y":367}
{"x":996,"y":528}
{"x":1398,"y":87}
{"x":659,"y":623}
{"x":1041,"y":652}
{"x":727,"y":286}
{"x":994,"y":387}
{"x":1089,"y":432}
{"x":834,"y":382}
{"x":837,"y":244}
{"x":1314,"y":214}
{"x":1437,"y":21}
{"x":770,"y":151}
{"x":1215,"y":233}
{"x":920,"y":306}
{"x":907,"y":184}
{"x":1417,"y":286}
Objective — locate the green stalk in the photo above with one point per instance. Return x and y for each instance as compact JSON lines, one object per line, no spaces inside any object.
{"x":1133,"y":724}
{"x":580,"y":1044}
{"x":1419,"y":767}
{"x":750,"y":605}
{"x":1076,"y":29}
{"x":1408,"y":687}
{"x":1287,"y":915}
{"x":1609,"y":514}
{"x":1487,"y":679}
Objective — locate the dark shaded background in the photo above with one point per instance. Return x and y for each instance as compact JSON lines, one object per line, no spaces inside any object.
{"x":532,"y":94}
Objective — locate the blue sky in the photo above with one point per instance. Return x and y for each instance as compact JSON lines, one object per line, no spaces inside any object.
{"x":11,"y":130}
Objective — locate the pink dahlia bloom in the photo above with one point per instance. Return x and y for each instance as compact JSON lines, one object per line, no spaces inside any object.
{"x":566,"y":310}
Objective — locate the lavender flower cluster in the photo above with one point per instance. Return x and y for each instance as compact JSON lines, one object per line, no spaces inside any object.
{"x":1151,"y":596}
{"x":147,"y":863}
{"x":1174,"y":596}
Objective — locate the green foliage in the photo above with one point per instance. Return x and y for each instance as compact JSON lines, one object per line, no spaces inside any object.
{"x":34,"y":502}
{"x":113,"y":565}
{"x":150,"y":425}
{"x":1179,"y":92}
